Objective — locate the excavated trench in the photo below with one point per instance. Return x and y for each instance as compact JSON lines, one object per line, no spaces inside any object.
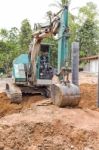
{"x":6,"y":107}
{"x":88,"y":100}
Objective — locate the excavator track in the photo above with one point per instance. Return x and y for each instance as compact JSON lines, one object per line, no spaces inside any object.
{"x":15,"y":97}
{"x":36,"y":90}
{"x":14,"y":93}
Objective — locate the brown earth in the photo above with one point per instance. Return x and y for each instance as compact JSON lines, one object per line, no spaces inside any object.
{"x":6,"y":107}
{"x":36,"y":124}
{"x":88,"y":100}
{"x":88,"y":96}
{"x":50,"y":128}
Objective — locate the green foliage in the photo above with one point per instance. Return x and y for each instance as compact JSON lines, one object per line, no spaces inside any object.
{"x":3,"y":46}
{"x":87,"y":37}
{"x":25,"y":35}
{"x":3,"y":34}
{"x":9,"y":47}
{"x":13,"y":43}
{"x":88,"y":29}
{"x":61,"y":3}
{"x":88,"y":12}
{"x":13,"y":34}
{"x":65,"y":2}
{"x":84,"y":27}
{"x":73,"y":27}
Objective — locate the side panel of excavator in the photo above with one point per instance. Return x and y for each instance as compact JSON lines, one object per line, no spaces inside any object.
{"x":20,"y":65}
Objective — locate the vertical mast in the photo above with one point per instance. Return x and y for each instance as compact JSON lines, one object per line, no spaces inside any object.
{"x":63,"y":39}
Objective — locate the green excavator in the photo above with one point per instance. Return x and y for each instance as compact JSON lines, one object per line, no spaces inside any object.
{"x":33,"y":73}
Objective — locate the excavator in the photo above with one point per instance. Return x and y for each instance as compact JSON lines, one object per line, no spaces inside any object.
{"x":33,"y":73}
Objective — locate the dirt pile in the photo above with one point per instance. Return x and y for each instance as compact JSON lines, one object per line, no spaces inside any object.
{"x":6,"y":107}
{"x":45,"y":136}
{"x":48,"y":128}
{"x":88,"y":96}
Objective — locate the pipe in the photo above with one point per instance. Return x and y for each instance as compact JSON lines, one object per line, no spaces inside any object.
{"x":75,"y":63}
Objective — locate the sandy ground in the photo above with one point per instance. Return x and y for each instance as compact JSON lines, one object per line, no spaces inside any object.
{"x":85,"y":77}
{"x":36,"y":124}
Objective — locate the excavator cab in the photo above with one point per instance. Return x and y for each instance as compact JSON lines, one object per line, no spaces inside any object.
{"x":44,"y":70}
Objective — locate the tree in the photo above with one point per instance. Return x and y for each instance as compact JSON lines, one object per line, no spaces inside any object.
{"x":88,"y":29}
{"x":9,"y":46}
{"x":25,"y":35}
{"x":89,"y":11}
{"x":3,"y":34}
{"x":61,"y":3}
{"x":87,"y":38}
{"x":13,"y":34}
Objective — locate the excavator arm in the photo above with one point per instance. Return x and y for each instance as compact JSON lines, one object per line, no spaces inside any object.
{"x":38,"y":36}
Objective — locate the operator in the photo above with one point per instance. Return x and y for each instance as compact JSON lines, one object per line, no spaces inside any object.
{"x":62,"y":77}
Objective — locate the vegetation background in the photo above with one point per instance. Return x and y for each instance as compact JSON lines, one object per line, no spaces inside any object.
{"x":84,"y":27}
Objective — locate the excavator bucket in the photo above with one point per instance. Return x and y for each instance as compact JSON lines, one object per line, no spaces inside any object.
{"x":65,"y":95}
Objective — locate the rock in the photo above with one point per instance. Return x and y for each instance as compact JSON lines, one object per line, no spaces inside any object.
{"x":1,"y":146}
{"x":72,"y":147}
